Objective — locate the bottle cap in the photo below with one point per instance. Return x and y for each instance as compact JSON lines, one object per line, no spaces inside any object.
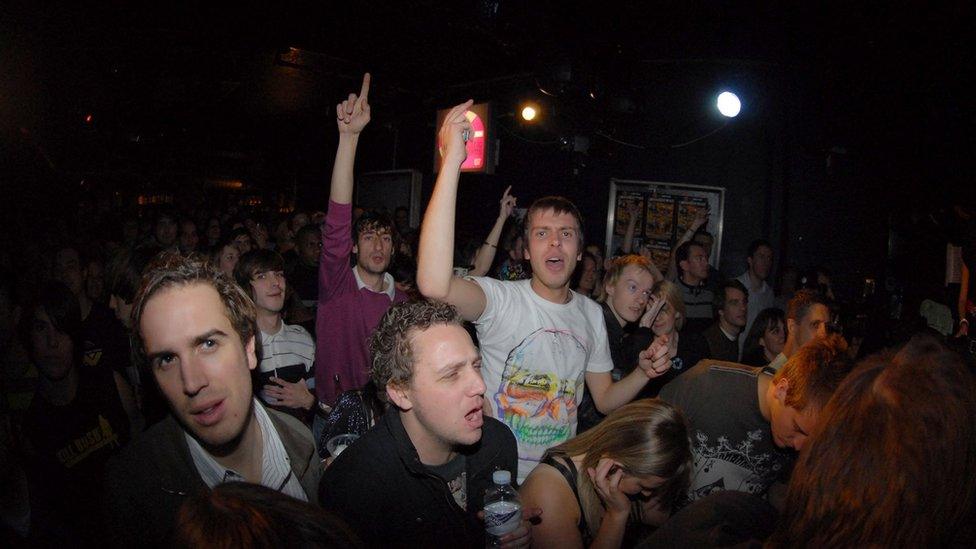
{"x":501,"y":477}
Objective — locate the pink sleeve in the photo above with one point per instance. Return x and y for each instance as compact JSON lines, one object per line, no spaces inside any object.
{"x":334,"y":271}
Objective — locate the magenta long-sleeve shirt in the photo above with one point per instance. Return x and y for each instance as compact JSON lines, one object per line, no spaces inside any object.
{"x":347,"y":314}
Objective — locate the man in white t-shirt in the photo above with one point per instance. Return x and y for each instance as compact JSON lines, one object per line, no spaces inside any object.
{"x":287,"y":356}
{"x":539,"y":340}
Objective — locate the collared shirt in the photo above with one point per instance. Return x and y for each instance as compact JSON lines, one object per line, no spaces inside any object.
{"x":276,"y":472}
{"x":777,"y":363}
{"x":288,"y":354}
{"x":389,"y":287}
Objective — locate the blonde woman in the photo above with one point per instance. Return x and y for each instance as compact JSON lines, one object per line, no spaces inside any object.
{"x":685,"y":350}
{"x":631,"y":468}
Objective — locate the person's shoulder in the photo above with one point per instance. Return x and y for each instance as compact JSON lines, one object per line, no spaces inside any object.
{"x":296,"y":332}
{"x":588,"y":304}
{"x":147,"y":448}
{"x":371,"y":458}
{"x":282,"y":420}
{"x":489,"y":282}
{"x":504,"y":291}
{"x":725,"y":368}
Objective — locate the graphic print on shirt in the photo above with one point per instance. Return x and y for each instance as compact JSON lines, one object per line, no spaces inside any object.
{"x":536,"y":404}
{"x":100,"y":436}
{"x":728,"y":467}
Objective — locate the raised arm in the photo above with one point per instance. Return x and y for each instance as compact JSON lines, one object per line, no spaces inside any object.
{"x":486,"y":253}
{"x":701,"y":218}
{"x":632,"y":211}
{"x":435,"y":273}
{"x":352,"y":115}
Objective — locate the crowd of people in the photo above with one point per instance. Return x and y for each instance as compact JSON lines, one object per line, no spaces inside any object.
{"x":344,"y":380}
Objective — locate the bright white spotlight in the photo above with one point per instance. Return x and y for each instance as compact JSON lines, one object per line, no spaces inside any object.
{"x":729,"y":104}
{"x":529,"y":113}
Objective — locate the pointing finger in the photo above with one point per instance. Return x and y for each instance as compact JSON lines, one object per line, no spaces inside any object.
{"x":364,"y":91}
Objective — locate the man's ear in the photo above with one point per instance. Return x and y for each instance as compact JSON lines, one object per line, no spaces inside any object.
{"x":790,"y":326}
{"x":782,"y":385}
{"x":399,"y":396}
{"x":749,"y":262}
{"x":252,"y":357}
{"x":355,"y":249}
{"x":525,"y":253}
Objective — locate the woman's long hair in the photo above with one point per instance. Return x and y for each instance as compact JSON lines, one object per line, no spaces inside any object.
{"x":648,"y":437}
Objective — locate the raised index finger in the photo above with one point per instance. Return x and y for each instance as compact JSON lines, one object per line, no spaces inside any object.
{"x":364,"y":91}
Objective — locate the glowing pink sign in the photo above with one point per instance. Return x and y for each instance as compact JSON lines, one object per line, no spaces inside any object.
{"x":477,"y":145}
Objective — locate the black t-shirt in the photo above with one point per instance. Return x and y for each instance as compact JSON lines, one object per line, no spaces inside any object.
{"x":455,"y":476}
{"x":68,"y":447}
{"x":105,"y":341}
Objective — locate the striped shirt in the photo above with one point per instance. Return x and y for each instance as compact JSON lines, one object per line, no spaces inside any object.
{"x":698,"y":305}
{"x":289,"y":355}
{"x":276,"y":470}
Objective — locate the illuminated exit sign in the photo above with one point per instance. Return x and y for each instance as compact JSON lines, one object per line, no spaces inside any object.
{"x":480,"y":145}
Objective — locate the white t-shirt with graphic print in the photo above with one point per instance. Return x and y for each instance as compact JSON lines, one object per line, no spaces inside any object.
{"x":534,"y":357}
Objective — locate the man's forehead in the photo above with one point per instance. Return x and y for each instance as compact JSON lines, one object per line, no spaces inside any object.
{"x":433,"y":343}
{"x":200,"y":297}
{"x":378,"y":230}
{"x":554,"y":218}
{"x":817,"y":311}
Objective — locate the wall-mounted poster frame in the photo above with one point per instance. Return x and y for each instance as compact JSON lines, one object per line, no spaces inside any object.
{"x":666,"y":211}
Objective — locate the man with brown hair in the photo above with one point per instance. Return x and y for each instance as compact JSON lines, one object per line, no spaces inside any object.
{"x":747,"y":423}
{"x":807,"y":318}
{"x":426,"y":464}
{"x":540,"y":340}
{"x":196,"y":330}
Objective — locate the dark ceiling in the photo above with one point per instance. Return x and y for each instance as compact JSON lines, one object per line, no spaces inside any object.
{"x":212,"y":88}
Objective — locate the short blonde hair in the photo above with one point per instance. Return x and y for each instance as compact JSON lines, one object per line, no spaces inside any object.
{"x":618,"y":265}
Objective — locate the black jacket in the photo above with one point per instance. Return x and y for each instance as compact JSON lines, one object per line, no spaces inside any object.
{"x":148,"y":482}
{"x":390,"y":499}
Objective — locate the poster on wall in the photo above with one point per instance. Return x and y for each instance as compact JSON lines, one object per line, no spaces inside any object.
{"x":629,"y":205}
{"x":664,"y":211}
{"x":659,"y":217}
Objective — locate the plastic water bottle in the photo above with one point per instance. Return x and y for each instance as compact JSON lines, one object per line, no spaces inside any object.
{"x":503,"y":510}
